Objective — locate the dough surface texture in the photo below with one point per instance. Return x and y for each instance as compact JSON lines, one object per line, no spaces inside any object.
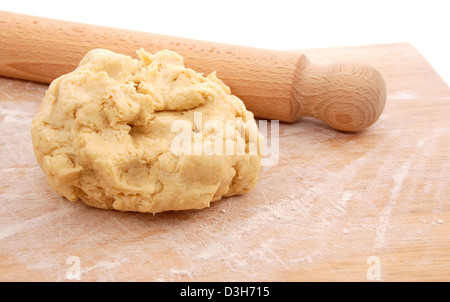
{"x":103,"y":134}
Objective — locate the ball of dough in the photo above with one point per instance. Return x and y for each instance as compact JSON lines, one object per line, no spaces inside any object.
{"x":105,"y":134}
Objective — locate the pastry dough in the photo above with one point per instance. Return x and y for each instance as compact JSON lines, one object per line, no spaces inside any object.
{"x":104,"y":134}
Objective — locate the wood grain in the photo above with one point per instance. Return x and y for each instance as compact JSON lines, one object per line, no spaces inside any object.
{"x":333,"y":200}
{"x":276,"y":85}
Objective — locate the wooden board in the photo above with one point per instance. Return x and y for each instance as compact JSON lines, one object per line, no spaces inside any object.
{"x":337,"y":207}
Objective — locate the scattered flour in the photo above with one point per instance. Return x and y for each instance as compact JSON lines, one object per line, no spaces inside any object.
{"x":402,"y":95}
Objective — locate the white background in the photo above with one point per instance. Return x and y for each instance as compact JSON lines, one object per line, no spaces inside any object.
{"x":280,"y":24}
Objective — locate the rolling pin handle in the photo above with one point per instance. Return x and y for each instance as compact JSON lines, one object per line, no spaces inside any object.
{"x":346,"y":96}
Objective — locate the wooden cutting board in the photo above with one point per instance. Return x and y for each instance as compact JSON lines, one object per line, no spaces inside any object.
{"x":374,"y":205}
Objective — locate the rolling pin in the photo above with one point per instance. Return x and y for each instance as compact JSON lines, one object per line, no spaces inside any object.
{"x":278,"y":85}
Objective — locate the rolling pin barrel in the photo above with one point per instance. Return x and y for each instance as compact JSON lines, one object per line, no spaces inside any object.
{"x":277,"y":85}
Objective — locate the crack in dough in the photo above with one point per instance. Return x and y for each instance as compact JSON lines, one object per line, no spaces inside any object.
{"x":103,"y":134}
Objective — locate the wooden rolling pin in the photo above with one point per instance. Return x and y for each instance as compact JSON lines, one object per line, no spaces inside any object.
{"x":279,"y":85}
